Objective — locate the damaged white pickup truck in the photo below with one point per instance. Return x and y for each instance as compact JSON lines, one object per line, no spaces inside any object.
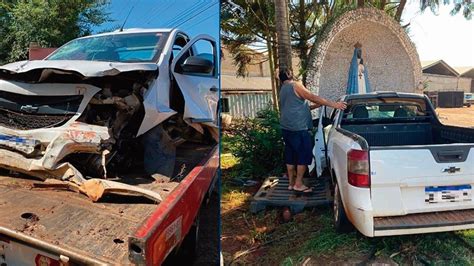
{"x":131,"y":112}
{"x":83,"y":109}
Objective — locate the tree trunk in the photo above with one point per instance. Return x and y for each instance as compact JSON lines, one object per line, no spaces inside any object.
{"x":382,"y":4}
{"x":271,"y":63}
{"x":360,"y":3}
{"x":283,"y":31}
{"x":302,"y":44}
{"x":275,"y":62}
{"x":400,"y":8}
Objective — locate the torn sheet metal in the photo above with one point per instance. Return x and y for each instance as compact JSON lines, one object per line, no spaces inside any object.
{"x":95,"y":189}
{"x":16,"y":162}
{"x":156,"y":103}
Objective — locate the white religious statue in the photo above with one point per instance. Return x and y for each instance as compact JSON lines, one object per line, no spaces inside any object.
{"x":361,"y":76}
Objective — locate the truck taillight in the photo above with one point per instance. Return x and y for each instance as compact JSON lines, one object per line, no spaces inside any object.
{"x":358,"y":168}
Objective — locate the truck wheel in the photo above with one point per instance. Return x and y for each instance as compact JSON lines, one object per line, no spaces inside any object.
{"x":341,"y":223}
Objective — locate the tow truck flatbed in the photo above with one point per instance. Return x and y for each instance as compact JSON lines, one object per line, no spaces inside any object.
{"x":61,"y":222}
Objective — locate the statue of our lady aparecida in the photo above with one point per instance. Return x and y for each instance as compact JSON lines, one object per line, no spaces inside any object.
{"x":358,"y":81}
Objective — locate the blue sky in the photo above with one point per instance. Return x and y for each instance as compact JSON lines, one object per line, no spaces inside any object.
{"x":192,"y":16}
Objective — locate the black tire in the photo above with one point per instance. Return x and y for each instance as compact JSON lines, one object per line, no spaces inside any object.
{"x":341,"y":222}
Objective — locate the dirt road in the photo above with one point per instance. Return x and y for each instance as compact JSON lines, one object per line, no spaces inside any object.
{"x":457,"y":116}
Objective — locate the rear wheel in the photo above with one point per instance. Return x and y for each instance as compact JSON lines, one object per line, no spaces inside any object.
{"x":341,"y":222}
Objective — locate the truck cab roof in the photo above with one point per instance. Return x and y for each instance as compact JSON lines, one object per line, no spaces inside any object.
{"x":379,"y":94}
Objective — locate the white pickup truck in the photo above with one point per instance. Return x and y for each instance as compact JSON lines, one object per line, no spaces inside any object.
{"x":395,"y":168}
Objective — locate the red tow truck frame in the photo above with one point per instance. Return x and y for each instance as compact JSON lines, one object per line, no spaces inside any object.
{"x":166,"y":228}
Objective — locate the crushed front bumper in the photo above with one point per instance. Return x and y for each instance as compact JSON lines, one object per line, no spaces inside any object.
{"x":51,"y":146}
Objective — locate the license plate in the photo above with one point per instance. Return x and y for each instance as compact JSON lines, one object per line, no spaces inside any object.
{"x":448,"y":194}
{"x":21,"y":144}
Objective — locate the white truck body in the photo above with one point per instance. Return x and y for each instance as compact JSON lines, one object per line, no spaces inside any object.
{"x":397,"y":175}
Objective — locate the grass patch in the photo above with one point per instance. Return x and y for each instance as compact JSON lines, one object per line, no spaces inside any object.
{"x":228,"y":161}
{"x":232,"y":198}
{"x":450,"y":248}
{"x":327,"y":243}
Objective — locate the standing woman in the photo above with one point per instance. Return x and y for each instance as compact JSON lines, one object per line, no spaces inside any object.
{"x":296,"y":124}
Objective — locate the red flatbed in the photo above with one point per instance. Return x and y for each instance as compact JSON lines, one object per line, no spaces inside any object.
{"x":115,"y":230}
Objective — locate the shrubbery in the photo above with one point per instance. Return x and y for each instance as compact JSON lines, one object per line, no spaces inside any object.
{"x":258,"y":144}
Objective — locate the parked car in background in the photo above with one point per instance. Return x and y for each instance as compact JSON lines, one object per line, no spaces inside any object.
{"x":94,"y":117}
{"x":468,"y":99}
{"x":395,"y":168}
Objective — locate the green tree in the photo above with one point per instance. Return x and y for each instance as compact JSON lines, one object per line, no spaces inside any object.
{"x":250,"y":22}
{"x":50,"y":23}
{"x":467,"y":7}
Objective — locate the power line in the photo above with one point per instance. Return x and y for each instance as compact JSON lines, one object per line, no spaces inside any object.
{"x":189,"y":13}
{"x":190,"y":18}
{"x":161,"y":24}
{"x":202,"y":20}
{"x":170,"y":4}
{"x":184,"y":13}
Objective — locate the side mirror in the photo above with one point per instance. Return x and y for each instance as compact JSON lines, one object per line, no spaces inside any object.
{"x":197,"y":64}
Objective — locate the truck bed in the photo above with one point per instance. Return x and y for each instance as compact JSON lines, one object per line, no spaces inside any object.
{"x":399,"y":134}
{"x":71,"y":221}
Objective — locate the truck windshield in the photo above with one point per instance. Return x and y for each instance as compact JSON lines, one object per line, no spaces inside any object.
{"x":133,"y":47}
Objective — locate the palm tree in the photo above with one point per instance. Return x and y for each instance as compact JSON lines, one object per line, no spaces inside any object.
{"x":283,"y":34}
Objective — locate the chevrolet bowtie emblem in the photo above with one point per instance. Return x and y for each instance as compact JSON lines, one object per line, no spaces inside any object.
{"x":451,"y":170}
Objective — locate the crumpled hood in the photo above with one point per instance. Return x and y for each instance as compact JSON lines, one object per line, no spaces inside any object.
{"x":82,"y":67}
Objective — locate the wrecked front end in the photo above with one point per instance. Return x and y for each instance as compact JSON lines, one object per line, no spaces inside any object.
{"x":40,"y":126}
{"x":61,"y":125}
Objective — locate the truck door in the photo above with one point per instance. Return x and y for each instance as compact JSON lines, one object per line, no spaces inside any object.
{"x":319,"y":149}
{"x":195,"y":70}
